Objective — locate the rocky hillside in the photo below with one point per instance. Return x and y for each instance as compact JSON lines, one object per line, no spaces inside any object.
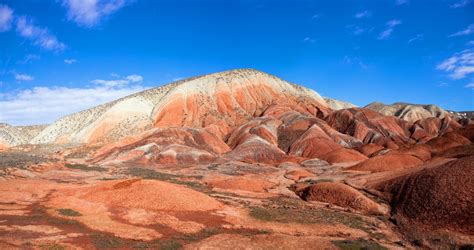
{"x":336,"y":104}
{"x":407,"y":111}
{"x":217,"y":101}
{"x":17,"y":135}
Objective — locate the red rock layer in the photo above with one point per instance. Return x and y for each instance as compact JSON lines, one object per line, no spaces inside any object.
{"x":341,"y":195}
{"x":172,"y":145}
{"x":438,"y":197}
{"x":388,"y":162}
{"x":370,"y":127}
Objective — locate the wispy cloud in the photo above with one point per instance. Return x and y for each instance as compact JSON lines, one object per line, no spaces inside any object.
{"x":469,"y":30}
{"x":70,"y":61}
{"x":119,"y":82}
{"x":418,"y":37}
{"x":470,"y":85}
{"x":354,"y":61}
{"x":23,"y":77}
{"x":460,"y":4}
{"x":35,"y":106}
{"x":134,"y":78}
{"x":459,"y":65}
{"x":470,"y":42}
{"x":355,"y":29}
{"x":88,"y":13}
{"x":29,"y":58}
{"x":39,"y":36}
{"x":363,"y":14}
{"x":401,"y":2}
{"x":443,"y":84}
{"x":6,"y":18}
{"x":308,"y":40}
{"x":390,"y":26}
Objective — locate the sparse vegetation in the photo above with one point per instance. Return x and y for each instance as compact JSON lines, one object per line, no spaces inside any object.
{"x":106,"y":241}
{"x":19,"y":159}
{"x":359,"y":244}
{"x":171,"y":245}
{"x":292,"y":210}
{"x":205,"y":233}
{"x":52,"y":246}
{"x":68,"y":212}
{"x":85,"y":167}
{"x":145,"y":173}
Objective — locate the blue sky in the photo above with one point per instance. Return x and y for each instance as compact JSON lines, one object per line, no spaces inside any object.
{"x":62,"y":56}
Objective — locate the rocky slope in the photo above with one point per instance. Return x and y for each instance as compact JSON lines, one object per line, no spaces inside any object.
{"x":217,"y":102}
{"x":17,"y":135}
{"x":409,"y":112}
{"x":336,"y":104}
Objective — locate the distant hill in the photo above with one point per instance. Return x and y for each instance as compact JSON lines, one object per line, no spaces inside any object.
{"x":408,"y":111}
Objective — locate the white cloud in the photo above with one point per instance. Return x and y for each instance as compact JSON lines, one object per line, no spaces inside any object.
{"x":70,"y":61}
{"x":110,"y":83}
{"x":35,"y":106}
{"x":470,"y":42}
{"x":418,"y":37}
{"x":88,"y":13}
{"x":354,"y":61}
{"x":363,"y":14}
{"x":355,"y":29}
{"x":134,"y":78}
{"x":308,"y":40}
{"x":6,"y":18}
{"x":118,"y":82}
{"x":385,"y":34}
{"x":459,"y":65}
{"x":460,"y":4}
{"x":39,"y":36}
{"x":469,"y":30}
{"x":401,"y":2}
{"x":23,"y":77}
{"x":29,"y":58}
{"x":470,"y":85}
{"x":443,"y":84}
{"x":394,"y":22}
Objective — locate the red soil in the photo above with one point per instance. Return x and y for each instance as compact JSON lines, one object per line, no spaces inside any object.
{"x":439,"y":197}
{"x":388,"y":162}
{"x":341,"y":195}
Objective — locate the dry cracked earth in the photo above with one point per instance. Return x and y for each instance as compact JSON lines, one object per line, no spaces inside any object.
{"x":253,"y":163}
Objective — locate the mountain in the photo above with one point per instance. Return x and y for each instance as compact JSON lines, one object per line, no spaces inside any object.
{"x":17,"y":135}
{"x":407,"y":111}
{"x":217,"y":102}
{"x":336,"y":104}
{"x":239,"y":156}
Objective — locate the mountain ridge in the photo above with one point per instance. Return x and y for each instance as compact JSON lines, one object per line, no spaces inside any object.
{"x":151,"y":107}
